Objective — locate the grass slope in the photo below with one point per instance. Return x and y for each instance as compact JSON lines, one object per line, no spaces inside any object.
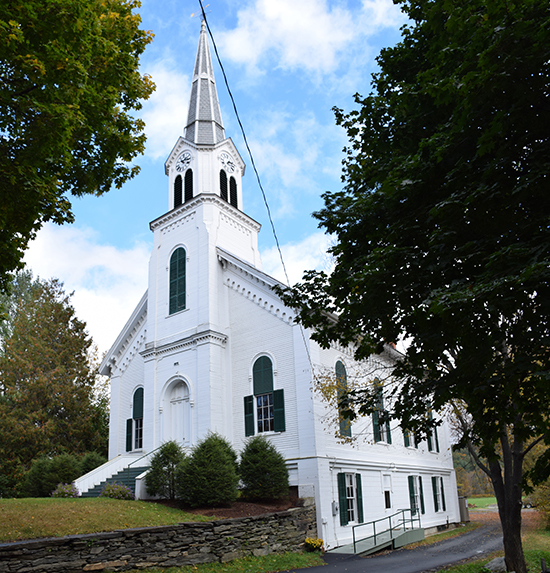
{"x":50,"y":517}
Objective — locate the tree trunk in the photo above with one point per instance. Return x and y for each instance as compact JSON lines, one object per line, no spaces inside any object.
{"x":508,"y":493}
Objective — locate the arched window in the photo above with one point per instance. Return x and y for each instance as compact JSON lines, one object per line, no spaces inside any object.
{"x":188,"y":185}
{"x":233,"y":192}
{"x":223,"y":185}
{"x":177,"y":281}
{"x":134,"y":425}
{"x":265,"y":410}
{"x":342,"y":387}
{"x":177,"y":191}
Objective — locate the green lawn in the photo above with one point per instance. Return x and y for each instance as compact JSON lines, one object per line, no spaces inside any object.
{"x":267,"y":564}
{"x":52,"y":517}
{"x":482,"y":502}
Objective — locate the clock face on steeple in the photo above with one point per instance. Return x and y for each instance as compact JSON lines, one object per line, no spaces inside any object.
{"x":227,"y":161}
{"x":183,"y":161}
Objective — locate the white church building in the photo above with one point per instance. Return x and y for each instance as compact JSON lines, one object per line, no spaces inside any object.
{"x":211,"y":348}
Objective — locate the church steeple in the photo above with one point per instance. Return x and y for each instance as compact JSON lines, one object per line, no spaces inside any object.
{"x":204,"y":121}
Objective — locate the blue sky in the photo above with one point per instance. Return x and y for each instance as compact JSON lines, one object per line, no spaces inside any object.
{"x":288,"y":63}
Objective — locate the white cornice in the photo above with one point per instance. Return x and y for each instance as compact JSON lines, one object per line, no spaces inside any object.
{"x":254,"y":285}
{"x":126,"y":338}
{"x":187,"y":210}
{"x":187,"y":343}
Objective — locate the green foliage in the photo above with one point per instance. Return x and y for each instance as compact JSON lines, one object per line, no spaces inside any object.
{"x":161,"y":477}
{"x":90,"y":461}
{"x":46,"y":473}
{"x":263,"y":471}
{"x":47,"y":385}
{"x":117,"y":491}
{"x":208,"y":477}
{"x":442,"y":234}
{"x":70,"y":79}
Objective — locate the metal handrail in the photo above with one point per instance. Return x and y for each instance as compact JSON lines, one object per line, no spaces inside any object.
{"x":127,"y":468}
{"x":403,"y":522}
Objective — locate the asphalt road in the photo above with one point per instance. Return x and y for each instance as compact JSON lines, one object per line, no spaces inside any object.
{"x":483,"y":540}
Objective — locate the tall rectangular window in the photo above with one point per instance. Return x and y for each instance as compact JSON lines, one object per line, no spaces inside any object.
{"x":439,"y":494}
{"x":264,"y":409}
{"x":350,"y":498}
{"x":381,"y":429}
{"x":416,"y":495}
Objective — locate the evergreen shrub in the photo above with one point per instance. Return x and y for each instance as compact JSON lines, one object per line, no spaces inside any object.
{"x":46,"y":473}
{"x":208,"y":477}
{"x":263,"y":471}
{"x":161,"y":477}
{"x":90,"y":461}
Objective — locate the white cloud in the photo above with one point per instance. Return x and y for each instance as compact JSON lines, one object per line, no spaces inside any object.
{"x":307,"y":34}
{"x":314,"y":35}
{"x":165,"y":112}
{"x":107,"y":282}
{"x":308,"y":254}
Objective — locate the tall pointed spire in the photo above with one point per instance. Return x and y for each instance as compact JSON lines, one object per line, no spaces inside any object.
{"x":204,"y":122}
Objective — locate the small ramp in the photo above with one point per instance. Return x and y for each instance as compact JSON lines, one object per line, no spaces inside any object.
{"x":397,"y":530}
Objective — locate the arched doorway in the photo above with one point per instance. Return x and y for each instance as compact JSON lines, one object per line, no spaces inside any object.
{"x":176,"y":413}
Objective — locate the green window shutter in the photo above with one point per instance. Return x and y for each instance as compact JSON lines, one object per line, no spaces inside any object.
{"x":430,"y":443}
{"x":233,"y":192}
{"x":137,"y":406}
{"x":177,"y":191}
{"x":436,"y":439}
{"x":177,"y":281}
{"x":249,"y":416}
{"x":262,"y":376}
{"x":342,"y":385}
{"x":376,"y":427}
{"x":223,"y":185}
{"x":412,"y":497}
{"x":359,"y":498}
{"x":388,"y":432}
{"x":342,"y":499}
{"x":443,"y":496}
{"x":434,"y":488}
{"x":406,"y":438}
{"x":129,"y":427}
{"x":421,"y":492}
{"x":188,"y":185}
{"x":279,"y":411}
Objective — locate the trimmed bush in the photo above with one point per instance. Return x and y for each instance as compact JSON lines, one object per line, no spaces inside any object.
{"x":263,"y":471}
{"x":117,"y":491}
{"x":161,"y":477}
{"x":46,"y":473}
{"x":208,"y":477}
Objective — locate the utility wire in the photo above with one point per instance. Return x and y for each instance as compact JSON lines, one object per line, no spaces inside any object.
{"x":246,"y":143}
{"x":255,"y":170}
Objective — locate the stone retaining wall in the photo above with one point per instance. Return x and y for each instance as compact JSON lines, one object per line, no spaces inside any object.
{"x":165,"y":546}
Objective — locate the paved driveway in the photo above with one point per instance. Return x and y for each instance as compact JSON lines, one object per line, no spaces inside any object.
{"x":483,"y":540}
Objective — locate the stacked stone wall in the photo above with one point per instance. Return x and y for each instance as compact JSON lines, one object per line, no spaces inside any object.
{"x":165,"y":546}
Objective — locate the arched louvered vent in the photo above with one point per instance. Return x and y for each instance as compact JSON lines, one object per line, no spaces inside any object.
{"x":188,"y":185}
{"x":233,"y":192}
{"x":223,"y":185}
{"x":177,"y":191}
